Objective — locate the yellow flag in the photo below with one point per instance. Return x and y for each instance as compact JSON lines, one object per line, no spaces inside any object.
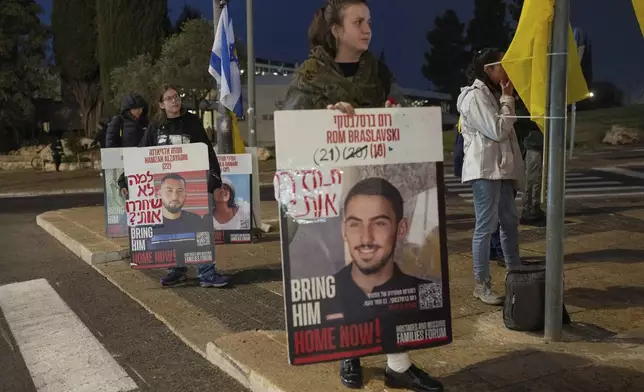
{"x":639,"y":11}
{"x":238,"y":142}
{"x":526,"y":60}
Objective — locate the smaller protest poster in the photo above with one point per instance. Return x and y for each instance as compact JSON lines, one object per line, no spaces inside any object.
{"x":232,"y":212}
{"x":168,"y":207}
{"x":363,"y":232}
{"x":114,"y":198}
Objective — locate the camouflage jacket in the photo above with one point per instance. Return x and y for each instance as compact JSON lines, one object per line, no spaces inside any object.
{"x":319,"y":82}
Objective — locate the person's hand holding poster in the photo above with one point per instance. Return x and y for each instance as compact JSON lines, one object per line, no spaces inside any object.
{"x":169,"y":208}
{"x":365,"y":261}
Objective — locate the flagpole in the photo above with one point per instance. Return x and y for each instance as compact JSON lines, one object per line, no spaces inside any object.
{"x":223,"y":123}
{"x":556,"y":162}
{"x":250,"y":79}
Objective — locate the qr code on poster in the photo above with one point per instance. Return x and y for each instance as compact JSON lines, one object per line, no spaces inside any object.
{"x":430,"y":296}
{"x":203,"y":238}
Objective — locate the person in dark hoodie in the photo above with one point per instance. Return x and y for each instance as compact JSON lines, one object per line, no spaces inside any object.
{"x":531,"y":139}
{"x":175,"y":125}
{"x":127,"y":129}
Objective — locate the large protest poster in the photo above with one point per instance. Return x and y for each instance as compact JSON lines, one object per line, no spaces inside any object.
{"x":169,"y":207}
{"x":232,"y":212}
{"x":363,"y":232}
{"x":114,"y":200}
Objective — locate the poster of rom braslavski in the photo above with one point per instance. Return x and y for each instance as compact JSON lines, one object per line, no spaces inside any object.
{"x":362,"y":230}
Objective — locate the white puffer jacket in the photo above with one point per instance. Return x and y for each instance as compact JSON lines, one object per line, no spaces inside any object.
{"x":489,"y":141}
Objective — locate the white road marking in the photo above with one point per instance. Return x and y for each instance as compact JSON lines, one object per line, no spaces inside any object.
{"x":60,"y":352}
{"x":622,"y":171}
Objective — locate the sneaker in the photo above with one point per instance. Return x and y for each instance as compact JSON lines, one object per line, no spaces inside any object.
{"x":214,"y":280}
{"x":351,"y":373}
{"x":414,"y":379}
{"x":173,"y":277}
{"x":483,"y":292}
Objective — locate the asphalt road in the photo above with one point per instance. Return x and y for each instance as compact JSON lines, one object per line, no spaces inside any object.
{"x":150,"y":353}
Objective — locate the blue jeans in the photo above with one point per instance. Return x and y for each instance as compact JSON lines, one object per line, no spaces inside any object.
{"x":495,"y":245}
{"x":494,"y":204}
{"x":203,"y":270}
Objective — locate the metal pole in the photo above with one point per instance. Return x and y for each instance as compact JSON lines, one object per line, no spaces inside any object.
{"x":544,"y":162}
{"x":573,"y":125}
{"x":223,"y":124}
{"x":250,"y":78}
{"x":556,"y":169}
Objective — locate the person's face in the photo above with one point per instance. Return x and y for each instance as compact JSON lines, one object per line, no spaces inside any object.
{"x":222,"y":195}
{"x":171,"y":103}
{"x":173,"y":195}
{"x":136,"y":113}
{"x":496,"y":72}
{"x":371,"y":232}
{"x":355,"y":33}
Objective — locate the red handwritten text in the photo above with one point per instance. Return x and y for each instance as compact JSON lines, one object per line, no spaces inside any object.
{"x":311,"y":193}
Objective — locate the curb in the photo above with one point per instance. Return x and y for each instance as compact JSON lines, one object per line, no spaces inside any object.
{"x":244,"y":374}
{"x":85,"y":254}
{"x":50,"y":193}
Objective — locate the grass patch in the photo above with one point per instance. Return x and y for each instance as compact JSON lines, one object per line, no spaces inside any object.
{"x":449,"y":138}
{"x":593,"y":124}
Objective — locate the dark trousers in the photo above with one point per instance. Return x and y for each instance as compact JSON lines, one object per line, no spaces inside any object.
{"x":531,"y":198}
{"x":57,"y":160}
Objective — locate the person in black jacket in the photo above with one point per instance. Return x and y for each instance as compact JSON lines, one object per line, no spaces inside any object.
{"x":177,"y":126}
{"x":57,"y":152}
{"x":127,"y":129}
{"x":531,"y":139}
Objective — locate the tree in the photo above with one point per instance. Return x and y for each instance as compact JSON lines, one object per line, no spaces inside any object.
{"x":184,"y":60}
{"x":447,"y":58}
{"x":606,"y":95}
{"x":125,"y":30}
{"x":73,"y":24}
{"x":139,"y":75}
{"x":23,"y":68}
{"x":187,"y":13}
{"x":183,"y":64}
{"x":489,"y":27}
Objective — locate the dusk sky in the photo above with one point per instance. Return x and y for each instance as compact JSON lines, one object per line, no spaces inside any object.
{"x":281,"y":29}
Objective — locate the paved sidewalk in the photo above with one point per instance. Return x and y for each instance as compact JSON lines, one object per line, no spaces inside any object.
{"x":32,"y":183}
{"x":241,"y":329}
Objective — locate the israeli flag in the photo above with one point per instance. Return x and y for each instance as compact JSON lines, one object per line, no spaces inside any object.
{"x":224,"y":65}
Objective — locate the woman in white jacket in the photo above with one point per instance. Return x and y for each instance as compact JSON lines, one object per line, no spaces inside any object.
{"x":493,"y":164}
